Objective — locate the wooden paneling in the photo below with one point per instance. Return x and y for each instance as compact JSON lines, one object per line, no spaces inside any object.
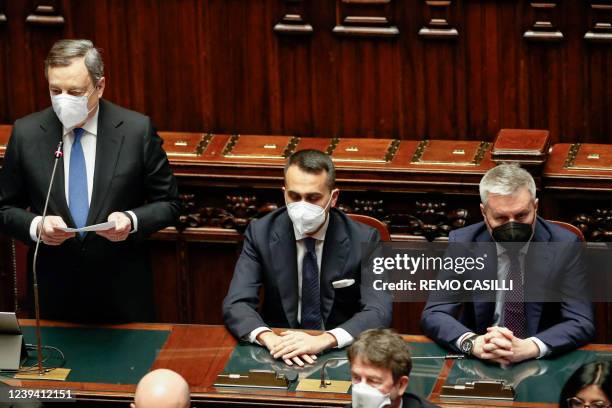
{"x":225,"y":67}
{"x":222,"y":66}
{"x":420,"y":189}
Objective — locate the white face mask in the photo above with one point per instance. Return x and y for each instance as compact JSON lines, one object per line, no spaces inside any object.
{"x":307,"y":217}
{"x":71,"y":110}
{"x":366,"y":396}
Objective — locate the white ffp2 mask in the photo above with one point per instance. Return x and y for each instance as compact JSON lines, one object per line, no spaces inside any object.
{"x":366,"y":396}
{"x":307,"y":217}
{"x":71,"y":110}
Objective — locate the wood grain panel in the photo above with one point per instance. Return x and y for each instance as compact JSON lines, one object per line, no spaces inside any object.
{"x":219,"y":66}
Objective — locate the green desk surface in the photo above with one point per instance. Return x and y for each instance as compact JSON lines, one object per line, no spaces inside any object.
{"x":247,"y":357}
{"x":110,"y":356}
{"x":537,"y":381}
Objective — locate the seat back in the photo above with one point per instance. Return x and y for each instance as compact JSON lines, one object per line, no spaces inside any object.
{"x":373,"y":222}
{"x":571,"y":228}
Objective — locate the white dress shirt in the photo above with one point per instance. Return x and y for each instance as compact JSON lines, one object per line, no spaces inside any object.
{"x":88,"y":143}
{"x":503,"y":268}
{"x":343,"y":337}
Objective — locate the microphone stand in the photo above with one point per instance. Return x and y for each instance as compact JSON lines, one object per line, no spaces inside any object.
{"x":58,"y":154}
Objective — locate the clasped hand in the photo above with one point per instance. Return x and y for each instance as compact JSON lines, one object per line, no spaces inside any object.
{"x":296,"y":347}
{"x":501,"y":346}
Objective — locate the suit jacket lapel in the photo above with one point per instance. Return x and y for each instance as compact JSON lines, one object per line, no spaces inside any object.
{"x":285,"y":267}
{"x":53,"y":129}
{"x":335,"y":254}
{"x":538,"y":267}
{"x":108,"y":146}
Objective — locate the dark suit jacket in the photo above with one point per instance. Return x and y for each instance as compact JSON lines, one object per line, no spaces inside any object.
{"x":561,"y":326}
{"x":91,"y":278}
{"x":268,"y":259}
{"x":411,"y":401}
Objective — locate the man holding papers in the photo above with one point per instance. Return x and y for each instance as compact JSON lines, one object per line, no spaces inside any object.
{"x":113,"y":170}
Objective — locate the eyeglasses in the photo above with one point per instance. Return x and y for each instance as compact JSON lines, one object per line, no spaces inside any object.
{"x":576,"y":402}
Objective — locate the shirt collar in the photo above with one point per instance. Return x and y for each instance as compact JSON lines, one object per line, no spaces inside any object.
{"x":319,"y":236}
{"x":501,"y":250}
{"x":91,"y":126}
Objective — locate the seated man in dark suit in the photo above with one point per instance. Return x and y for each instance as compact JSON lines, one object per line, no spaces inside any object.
{"x":307,"y":256}
{"x":380,"y":366}
{"x":510,"y":330}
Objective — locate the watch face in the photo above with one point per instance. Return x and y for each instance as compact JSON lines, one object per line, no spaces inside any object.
{"x":466,"y":347}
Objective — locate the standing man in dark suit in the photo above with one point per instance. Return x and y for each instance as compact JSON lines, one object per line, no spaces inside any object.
{"x":307,"y":256}
{"x":113,"y":169}
{"x":511,"y":329}
{"x":380,"y":370}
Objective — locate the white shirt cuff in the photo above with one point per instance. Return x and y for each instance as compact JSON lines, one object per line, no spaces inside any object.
{"x":342,"y":337}
{"x":461,"y":338}
{"x":543,"y":347}
{"x":253,"y":335}
{"x":134,"y":221}
{"x":34,"y":227}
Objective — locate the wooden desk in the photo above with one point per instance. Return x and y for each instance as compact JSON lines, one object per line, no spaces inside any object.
{"x":200,"y":352}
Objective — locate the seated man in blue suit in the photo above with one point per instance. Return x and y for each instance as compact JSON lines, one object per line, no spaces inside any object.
{"x":307,"y":256}
{"x":508,"y":331}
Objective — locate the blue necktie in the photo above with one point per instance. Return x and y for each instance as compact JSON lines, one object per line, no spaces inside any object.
{"x":311,"y":297}
{"x":77,"y":185}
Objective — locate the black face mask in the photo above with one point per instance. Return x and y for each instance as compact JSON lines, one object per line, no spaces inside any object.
{"x":512,"y":232}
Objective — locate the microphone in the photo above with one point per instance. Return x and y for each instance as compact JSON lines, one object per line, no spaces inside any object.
{"x":58,"y":155}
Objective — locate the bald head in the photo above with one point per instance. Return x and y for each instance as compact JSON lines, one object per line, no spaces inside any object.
{"x":162,"y":388}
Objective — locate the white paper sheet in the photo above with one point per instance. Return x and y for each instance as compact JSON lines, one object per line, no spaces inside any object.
{"x":92,"y":228}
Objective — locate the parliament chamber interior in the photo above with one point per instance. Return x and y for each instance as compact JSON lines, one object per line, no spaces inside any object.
{"x":414,"y":101}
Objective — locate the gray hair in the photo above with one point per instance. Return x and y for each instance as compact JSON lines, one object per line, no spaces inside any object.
{"x":506,"y":179}
{"x":64,"y":51}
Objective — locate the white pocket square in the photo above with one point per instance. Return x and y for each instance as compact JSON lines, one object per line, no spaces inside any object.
{"x":343,"y":283}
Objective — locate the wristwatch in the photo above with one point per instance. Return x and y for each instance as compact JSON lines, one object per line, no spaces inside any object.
{"x":467,"y":345}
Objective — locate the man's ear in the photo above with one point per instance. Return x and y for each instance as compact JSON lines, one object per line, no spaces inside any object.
{"x":535,"y":203}
{"x":100,"y":86}
{"x":482,"y":209}
{"x":132,"y":405}
{"x":335,"y":195}
{"x":403,"y":384}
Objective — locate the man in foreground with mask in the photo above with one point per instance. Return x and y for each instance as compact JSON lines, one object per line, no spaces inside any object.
{"x":380,"y":369}
{"x":510,"y":330}
{"x":113,"y":169}
{"x":307,"y":256}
